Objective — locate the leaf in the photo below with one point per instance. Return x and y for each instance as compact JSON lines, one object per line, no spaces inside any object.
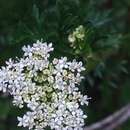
{"x":4,"y":107}
{"x":35,"y":13}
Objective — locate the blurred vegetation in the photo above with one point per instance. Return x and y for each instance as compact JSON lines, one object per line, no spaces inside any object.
{"x":105,"y":51}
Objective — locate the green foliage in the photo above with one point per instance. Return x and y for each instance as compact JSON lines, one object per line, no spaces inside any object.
{"x":105,"y":49}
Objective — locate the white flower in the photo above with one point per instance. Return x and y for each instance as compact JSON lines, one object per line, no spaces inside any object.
{"x":71,"y":38}
{"x":47,"y":88}
{"x":27,"y":120}
{"x":77,"y":35}
{"x":84,"y":100}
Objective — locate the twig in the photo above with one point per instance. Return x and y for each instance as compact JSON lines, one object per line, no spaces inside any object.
{"x":112,"y":121}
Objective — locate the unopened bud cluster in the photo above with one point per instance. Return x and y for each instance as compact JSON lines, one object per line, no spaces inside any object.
{"x":77,"y":35}
{"x":48,"y":88}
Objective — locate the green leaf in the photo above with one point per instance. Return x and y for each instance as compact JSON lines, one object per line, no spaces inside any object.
{"x":4,"y":107}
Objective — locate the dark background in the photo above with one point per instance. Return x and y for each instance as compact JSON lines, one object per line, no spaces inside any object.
{"x":106,"y":56}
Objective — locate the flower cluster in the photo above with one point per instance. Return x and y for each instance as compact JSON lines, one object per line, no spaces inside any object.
{"x":78,"y":34}
{"x":49,"y":89}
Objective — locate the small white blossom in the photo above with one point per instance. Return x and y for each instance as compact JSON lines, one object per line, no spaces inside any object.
{"x":71,"y":38}
{"x":77,"y":35}
{"x":47,"y":88}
